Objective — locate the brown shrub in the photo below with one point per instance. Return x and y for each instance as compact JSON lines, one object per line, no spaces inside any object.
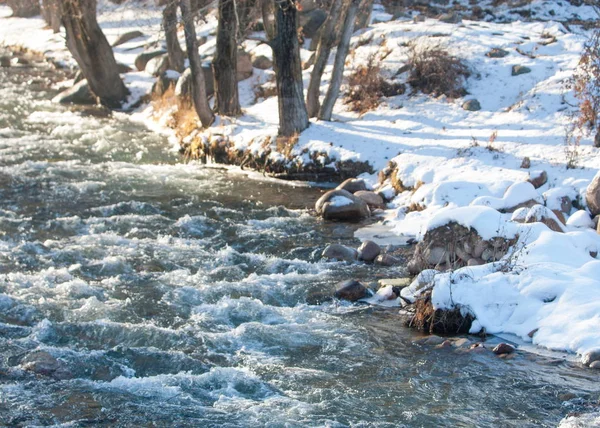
{"x":366,"y":87}
{"x":433,"y":70}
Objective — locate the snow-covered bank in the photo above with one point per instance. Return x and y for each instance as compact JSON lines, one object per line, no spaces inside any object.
{"x":448,"y":158}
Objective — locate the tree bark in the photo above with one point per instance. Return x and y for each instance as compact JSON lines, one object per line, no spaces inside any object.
{"x":24,"y":8}
{"x":363,"y":18}
{"x":169,"y":23}
{"x":326,"y":43}
{"x":198,"y":84}
{"x":293,"y":117}
{"x":225,"y":61}
{"x":340,"y":60}
{"x":267,"y":10}
{"x":91,"y":50}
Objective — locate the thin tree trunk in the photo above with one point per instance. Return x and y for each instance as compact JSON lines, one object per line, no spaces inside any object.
{"x":169,"y":22}
{"x":24,"y":8}
{"x":91,"y":50}
{"x":293,"y":117}
{"x":322,"y":57}
{"x":363,"y":18}
{"x":266,"y":8}
{"x":225,"y":61}
{"x":340,"y":59}
{"x":198,"y":84}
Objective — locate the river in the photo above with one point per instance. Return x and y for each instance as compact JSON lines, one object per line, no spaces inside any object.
{"x":136,"y":290}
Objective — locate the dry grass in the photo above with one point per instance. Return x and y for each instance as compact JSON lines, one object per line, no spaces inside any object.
{"x":285,"y":145}
{"x":434,"y":71}
{"x":438,"y":321}
{"x":586,"y":84}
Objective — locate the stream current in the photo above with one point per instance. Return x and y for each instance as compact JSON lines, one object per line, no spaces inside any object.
{"x":139,"y":291}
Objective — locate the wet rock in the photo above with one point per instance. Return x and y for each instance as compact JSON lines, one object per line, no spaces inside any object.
{"x":503,"y":348}
{"x":340,"y":252}
{"x":4,"y":61}
{"x":262,"y":62}
{"x":526,"y":163}
{"x":368,"y":251}
{"x":244,"y":65}
{"x":79,"y":93}
{"x":444,"y":344}
{"x":124,"y":38}
{"x":387,"y":260}
{"x":517,"y":70}
{"x":43,"y":363}
{"x":592,"y":196}
{"x":590,"y":357}
{"x":372,"y":199}
{"x":351,"y":290}
{"x":538,"y":178}
{"x":342,"y":205}
{"x":471,"y":105}
{"x":142,"y":59}
{"x":353,"y":185}
{"x":434,"y":340}
{"x":463,"y":342}
{"x":398,"y":283}
{"x":157,"y":65}
{"x":595,"y":365}
{"x":497,"y":53}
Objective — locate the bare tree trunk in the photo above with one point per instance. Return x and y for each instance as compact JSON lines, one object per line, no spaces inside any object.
{"x":323,"y":51}
{"x":267,"y":10}
{"x":363,"y":18}
{"x":91,"y":50}
{"x":293,"y":117}
{"x":51,"y":14}
{"x":169,"y":22}
{"x":24,"y":8}
{"x":225,"y":61}
{"x":340,"y":59}
{"x":198,"y":84}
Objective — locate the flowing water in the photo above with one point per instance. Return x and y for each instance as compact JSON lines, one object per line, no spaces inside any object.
{"x":139,"y":291}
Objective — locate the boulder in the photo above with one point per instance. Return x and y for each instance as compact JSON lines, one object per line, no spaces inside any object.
{"x":538,"y":178}
{"x":262,"y":62}
{"x":471,"y":105}
{"x":157,"y":65}
{"x":340,"y":252}
{"x":542,"y":214}
{"x":142,"y":59}
{"x":592,"y":196}
{"x":79,"y":93}
{"x":311,"y":21}
{"x":595,"y":365}
{"x":123,"y":68}
{"x":450,"y":18}
{"x":387,"y":260}
{"x":517,"y":70}
{"x":497,"y":53}
{"x":124,"y":38}
{"x":353,"y":185}
{"x":368,"y":251}
{"x":475,"y":262}
{"x":183,"y":89}
{"x":372,"y":199}
{"x":351,"y":290}
{"x":43,"y":363}
{"x":591,"y":356}
{"x":503,"y":348}
{"x":526,"y":163}
{"x":581,"y":219}
{"x":4,"y":61}
{"x":244,"y":65}
{"x":342,"y":205}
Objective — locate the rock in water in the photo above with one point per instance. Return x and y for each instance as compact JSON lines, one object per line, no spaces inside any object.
{"x":342,"y":205}
{"x":589,"y":357}
{"x":387,"y":260}
{"x":340,"y":252}
{"x":351,"y":290}
{"x":79,"y":93}
{"x":368,"y":251}
{"x":353,"y":185}
{"x":503,"y":348}
{"x":592,"y":196}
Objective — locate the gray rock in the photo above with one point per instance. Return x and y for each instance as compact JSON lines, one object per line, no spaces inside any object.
{"x":450,"y":18}
{"x":517,"y":70}
{"x":342,"y":205}
{"x":435,"y":255}
{"x":589,"y":357}
{"x":526,"y":163}
{"x":372,"y":199}
{"x":497,"y":53}
{"x":387,"y":260}
{"x":43,"y":363}
{"x":595,"y":365}
{"x":142,"y":59}
{"x":475,"y":262}
{"x":353,"y":185}
{"x":311,"y":21}
{"x":340,"y":252}
{"x":592,"y":196}
{"x":157,"y":65}
{"x":503,"y":348}
{"x":4,"y":61}
{"x":79,"y":93}
{"x":538,"y":178}
{"x":124,"y":38}
{"x":471,"y":105}
{"x":183,"y":89}
{"x":351,"y":290}
{"x":368,"y":251}
{"x":262,"y":62}
{"x":244,"y":65}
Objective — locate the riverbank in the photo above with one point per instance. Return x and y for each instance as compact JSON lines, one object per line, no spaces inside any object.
{"x":440,"y":161}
